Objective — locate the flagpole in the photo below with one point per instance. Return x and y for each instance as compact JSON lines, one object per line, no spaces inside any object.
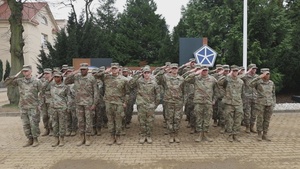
{"x":245,"y":34}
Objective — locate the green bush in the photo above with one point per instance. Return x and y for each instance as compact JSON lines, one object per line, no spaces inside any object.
{"x":277,"y":78}
{"x":7,"y":70}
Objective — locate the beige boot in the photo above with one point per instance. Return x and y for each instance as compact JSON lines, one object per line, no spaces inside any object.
{"x":265,"y":136}
{"x":28,"y":143}
{"x":215,"y":123}
{"x":171,"y":140}
{"x":87,"y":140}
{"x":112,"y":140}
{"x":206,"y":138}
{"x":192,"y":130}
{"x":222,"y":131}
{"x":35,"y":142}
{"x":55,"y":142}
{"x":73,"y":133}
{"x":230,"y":138}
{"x":235,"y":138}
{"x":93,"y":132}
{"x":68,"y":133}
{"x":176,"y":138}
{"x":149,"y":140}
{"x":50,"y":132}
{"x":46,"y":132}
{"x":259,"y":137}
{"x":118,"y":140}
{"x":199,"y":139}
{"x":61,"y":141}
{"x":252,"y":128}
{"x":81,"y":140}
{"x":98,"y":131}
{"x":247,"y":129}
{"x":142,"y":140}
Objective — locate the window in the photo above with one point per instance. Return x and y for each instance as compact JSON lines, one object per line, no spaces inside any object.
{"x":44,"y":20}
{"x":44,"y":40}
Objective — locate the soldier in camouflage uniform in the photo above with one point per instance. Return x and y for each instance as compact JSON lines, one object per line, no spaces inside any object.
{"x":189,"y":95}
{"x":29,"y":88}
{"x":97,"y":120}
{"x":59,"y":95}
{"x":86,"y":98}
{"x":265,"y":102}
{"x":148,"y":98}
{"x":71,"y":117}
{"x":116,"y":98}
{"x":173,"y":98}
{"x":104,"y":119}
{"x":204,"y":87}
{"x":234,"y":90}
{"x":216,"y":75}
{"x":45,"y":103}
{"x":249,"y":99}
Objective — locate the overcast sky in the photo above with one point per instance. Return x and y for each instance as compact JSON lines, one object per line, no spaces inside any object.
{"x":169,"y":9}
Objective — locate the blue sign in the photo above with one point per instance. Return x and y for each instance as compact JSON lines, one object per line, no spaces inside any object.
{"x":205,"y":56}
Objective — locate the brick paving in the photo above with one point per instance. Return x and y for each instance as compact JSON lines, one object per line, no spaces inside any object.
{"x":283,"y":152}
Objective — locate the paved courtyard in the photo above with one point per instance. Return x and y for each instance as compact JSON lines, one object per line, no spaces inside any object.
{"x":283,"y":152}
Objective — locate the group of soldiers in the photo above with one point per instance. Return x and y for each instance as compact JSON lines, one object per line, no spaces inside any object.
{"x":82,"y":101}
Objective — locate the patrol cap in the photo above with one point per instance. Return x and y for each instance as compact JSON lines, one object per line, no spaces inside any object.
{"x":47,"y":70}
{"x":192,"y":60}
{"x":70,"y":69}
{"x":234,"y":67}
{"x":241,"y":68}
{"x":84,"y":66}
{"x":95,"y":70}
{"x":114,"y":65}
{"x":26,"y":67}
{"x":218,"y":66}
{"x":197,"y":66}
{"x":64,"y":67}
{"x":226,"y":67}
{"x":147,"y":69}
{"x":57,"y":74}
{"x":252,"y":66}
{"x":174,"y":65}
{"x":204,"y":68}
{"x":102,"y":68}
{"x":125,"y":69}
{"x":168,"y":63}
{"x":56,"y":69}
{"x":263,"y":70}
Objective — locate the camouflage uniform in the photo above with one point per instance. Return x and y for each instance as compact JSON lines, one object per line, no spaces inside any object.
{"x":131,"y":101}
{"x":97,"y":122}
{"x":173,"y":99}
{"x":71,"y":117}
{"x":45,"y":106}
{"x":264,"y":103}
{"x":204,"y":87}
{"x":249,"y":100}
{"x":29,"y":100}
{"x":234,"y":88}
{"x":217,"y":96}
{"x":59,"y":94}
{"x":86,"y":96}
{"x":148,"y":98}
{"x":116,"y":94}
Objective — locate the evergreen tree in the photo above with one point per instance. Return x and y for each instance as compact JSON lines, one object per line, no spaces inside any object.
{"x":1,"y":70}
{"x":7,"y":70}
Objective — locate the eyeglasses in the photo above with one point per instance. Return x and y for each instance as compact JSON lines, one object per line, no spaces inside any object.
{"x":146,"y":72}
{"x":57,"y":76}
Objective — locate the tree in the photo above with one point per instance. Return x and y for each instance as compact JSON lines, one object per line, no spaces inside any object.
{"x":7,"y":70}
{"x":1,"y":70}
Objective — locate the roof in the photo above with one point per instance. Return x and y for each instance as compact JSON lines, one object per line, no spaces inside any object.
{"x":30,"y":9}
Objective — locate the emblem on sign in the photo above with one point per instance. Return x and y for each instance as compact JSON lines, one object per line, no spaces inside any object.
{"x":205,"y":56}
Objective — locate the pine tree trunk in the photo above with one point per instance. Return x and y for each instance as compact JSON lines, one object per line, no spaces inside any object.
{"x":16,"y":45}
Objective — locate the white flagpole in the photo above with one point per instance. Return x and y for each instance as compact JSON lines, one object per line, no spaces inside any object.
{"x":245,"y":34}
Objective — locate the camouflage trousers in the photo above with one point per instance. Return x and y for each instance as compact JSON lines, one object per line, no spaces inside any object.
{"x":264,"y":114}
{"x":46,"y":115}
{"x":30,"y":121}
{"x":115,"y":114}
{"x":203,"y":113}
{"x":59,"y":122}
{"x":174,"y":114}
{"x":71,"y":119}
{"x":146,"y":119}
{"x":98,"y":119}
{"x":129,"y":110}
{"x":234,"y":116}
{"x":249,"y":113}
{"x":189,"y":111}
{"x":85,"y":119}
{"x":221,"y":113}
{"x":215,"y":115}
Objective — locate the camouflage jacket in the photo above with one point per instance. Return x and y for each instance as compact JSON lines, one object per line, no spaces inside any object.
{"x":204,"y":88}
{"x":234,"y":90}
{"x":100,"y":85}
{"x":29,"y":91}
{"x":116,"y":88}
{"x":148,"y":91}
{"x":46,"y":90}
{"x":86,"y":91}
{"x":59,"y":96}
{"x":71,"y":96}
{"x":249,"y":91}
{"x":173,"y":87}
{"x":265,"y":91}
